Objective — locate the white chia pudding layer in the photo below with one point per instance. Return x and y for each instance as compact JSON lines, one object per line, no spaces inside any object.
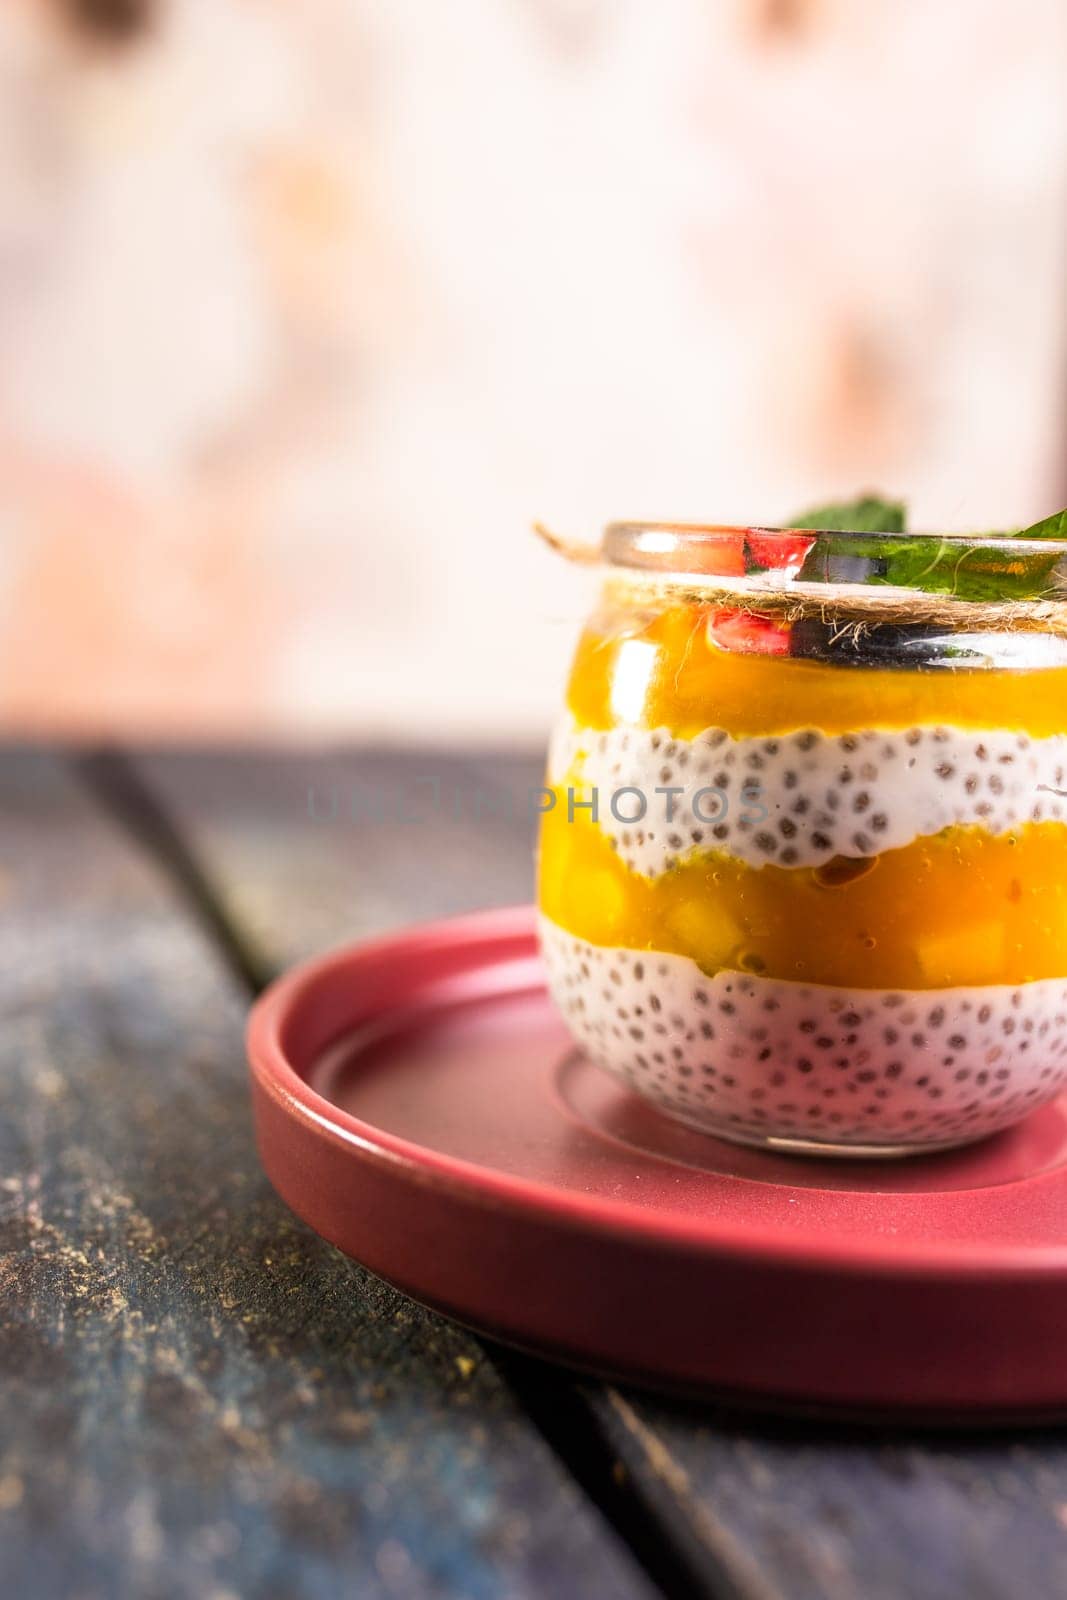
{"x":801,"y":798}
{"x":756,"y":1057}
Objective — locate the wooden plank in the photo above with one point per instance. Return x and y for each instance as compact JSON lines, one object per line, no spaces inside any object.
{"x":199,"y":1397}
{"x":834,"y":1513}
{"x":311,"y":848}
{"x":752,"y":1508}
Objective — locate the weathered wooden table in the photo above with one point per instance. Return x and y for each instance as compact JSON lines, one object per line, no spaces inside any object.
{"x":199,"y":1398}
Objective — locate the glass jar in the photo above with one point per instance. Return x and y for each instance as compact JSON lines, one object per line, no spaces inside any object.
{"x":803,"y":877}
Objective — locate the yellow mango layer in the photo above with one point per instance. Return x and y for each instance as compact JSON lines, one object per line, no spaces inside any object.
{"x":657,"y":669}
{"x":962,"y":908}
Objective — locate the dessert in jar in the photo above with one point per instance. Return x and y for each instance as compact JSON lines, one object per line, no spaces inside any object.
{"x":803,"y":871}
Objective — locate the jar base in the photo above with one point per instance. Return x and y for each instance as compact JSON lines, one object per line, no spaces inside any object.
{"x":820,"y":1149}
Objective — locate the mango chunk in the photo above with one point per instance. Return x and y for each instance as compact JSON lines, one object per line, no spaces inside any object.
{"x":705,"y":931}
{"x":600,"y":894}
{"x":971,"y":954}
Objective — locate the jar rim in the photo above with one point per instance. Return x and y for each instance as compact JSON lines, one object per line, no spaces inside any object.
{"x":631,"y":543}
{"x":1011,"y":580}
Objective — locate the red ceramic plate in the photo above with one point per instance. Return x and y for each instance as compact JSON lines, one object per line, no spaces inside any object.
{"x":419,"y":1103}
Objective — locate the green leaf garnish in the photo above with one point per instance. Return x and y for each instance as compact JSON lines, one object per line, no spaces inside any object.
{"x":932,"y":565}
{"x":867,"y":514}
{"x":863,"y":550}
{"x":1054,"y":527}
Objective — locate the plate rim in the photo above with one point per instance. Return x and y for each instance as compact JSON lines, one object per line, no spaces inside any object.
{"x":516,"y":926}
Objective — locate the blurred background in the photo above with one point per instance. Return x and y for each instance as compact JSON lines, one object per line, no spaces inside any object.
{"x":306,"y":311}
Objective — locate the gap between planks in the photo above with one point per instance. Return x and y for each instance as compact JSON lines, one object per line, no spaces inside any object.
{"x":640,"y":1489}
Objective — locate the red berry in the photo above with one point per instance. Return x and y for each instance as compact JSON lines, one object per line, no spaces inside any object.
{"x":747,"y":631}
{"x":776,"y":550}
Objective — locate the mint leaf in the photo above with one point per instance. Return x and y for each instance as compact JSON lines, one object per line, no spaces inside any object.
{"x":1054,"y":527}
{"x":859,"y":548}
{"x":932,"y":565}
{"x":867,"y":514}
